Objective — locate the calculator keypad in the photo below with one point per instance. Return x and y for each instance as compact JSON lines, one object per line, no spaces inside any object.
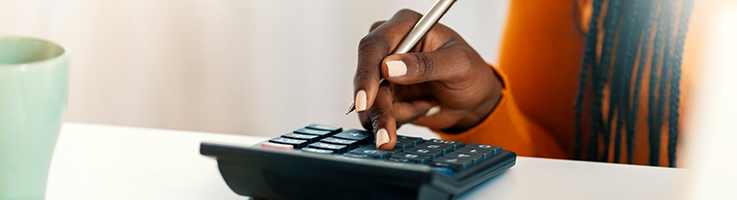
{"x":453,"y":163}
{"x":435,"y":153}
{"x":441,"y":147}
{"x":476,"y":158}
{"x":371,"y":151}
{"x":321,"y":127}
{"x":417,"y":158}
{"x":294,"y":142}
{"x":354,"y":134}
{"x":484,"y":152}
{"x":442,"y":155}
{"x":350,"y":143}
{"x":333,"y":147}
{"x":314,"y":150}
{"x":309,"y":138}
{"x":454,"y":144}
{"x":404,"y":144}
{"x":409,"y":140}
{"x":319,"y":133}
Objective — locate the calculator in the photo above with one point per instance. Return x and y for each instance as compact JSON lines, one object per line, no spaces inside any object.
{"x":326,"y":162}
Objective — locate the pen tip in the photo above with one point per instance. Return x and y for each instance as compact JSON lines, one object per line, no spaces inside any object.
{"x":351,"y":108}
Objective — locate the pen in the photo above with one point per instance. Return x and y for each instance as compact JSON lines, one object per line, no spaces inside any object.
{"x":423,"y":25}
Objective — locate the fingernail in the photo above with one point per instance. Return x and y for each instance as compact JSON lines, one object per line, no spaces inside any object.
{"x":432,"y":111}
{"x":361,"y":101}
{"x":382,"y":137}
{"x":396,"y":68}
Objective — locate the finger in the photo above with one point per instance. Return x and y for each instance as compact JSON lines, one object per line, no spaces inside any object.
{"x":376,"y":24}
{"x":452,"y":62}
{"x":439,"y":118}
{"x":402,"y":95}
{"x":382,"y":119}
{"x":365,"y":121}
{"x":425,"y":112}
{"x":407,"y":112}
{"x":371,"y":51}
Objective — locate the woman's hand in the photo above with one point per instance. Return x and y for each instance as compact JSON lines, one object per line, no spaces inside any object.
{"x":444,"y":84}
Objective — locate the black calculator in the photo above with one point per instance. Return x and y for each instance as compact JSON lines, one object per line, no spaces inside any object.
{"x":326,"y":162}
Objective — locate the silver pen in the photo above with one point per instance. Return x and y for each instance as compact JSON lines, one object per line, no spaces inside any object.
{"x":421,"y":28}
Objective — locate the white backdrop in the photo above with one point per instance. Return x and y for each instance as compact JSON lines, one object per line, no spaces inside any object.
{"x":257,"y":67}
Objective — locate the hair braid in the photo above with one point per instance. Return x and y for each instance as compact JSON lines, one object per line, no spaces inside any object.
{"x":631,"y":122}
{"x":654,"y":133}
{"x":588,"y":61}
{"x":628,"y":24}
{"x":626,"y":53}
{"x":675,"y":92}
{"x":600,"y":72}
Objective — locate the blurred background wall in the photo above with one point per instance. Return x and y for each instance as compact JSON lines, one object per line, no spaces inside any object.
{"x":256,"y":67}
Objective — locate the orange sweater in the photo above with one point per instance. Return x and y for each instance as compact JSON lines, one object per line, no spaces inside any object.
{"x":540,"y":63}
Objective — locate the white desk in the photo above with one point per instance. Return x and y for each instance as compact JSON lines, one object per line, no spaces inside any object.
{"x":112,"y":162}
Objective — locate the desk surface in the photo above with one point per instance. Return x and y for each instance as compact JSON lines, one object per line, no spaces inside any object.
{"x":112,"y":162}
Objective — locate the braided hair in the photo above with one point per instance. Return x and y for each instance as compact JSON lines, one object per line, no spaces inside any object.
{"x":618,"y":60}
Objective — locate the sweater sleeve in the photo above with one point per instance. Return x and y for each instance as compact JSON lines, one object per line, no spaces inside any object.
{"x":508,"y":127}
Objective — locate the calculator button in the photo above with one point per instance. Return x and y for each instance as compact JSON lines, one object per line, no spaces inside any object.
{"x":350,"y":143}
{"x":397,"y":148}
{"x":309,"y":138}
{"x":494,"y":149}
{"x":307,"y":131}
{"x":453,"y":163}
{"x":313,"y":150}
{"x":353,"y":155}
{"x":294,"y":142}
{"x":332,"y":129}
{"x":372,"y":152}
{"x":477,"y":158}
{"x":412,"y":157}
{"x":435,"y":153}
{"x":334,"y":147}
{"x":396,"y":159}
{"x":394,"y":150}
{"x":404,"y":144}
{"x":277,"y":146}
{"x":487,"y":153}
{"x":355,"y":134}
{"x":454,"y":144}
{"x":442,"y":147}
{"x":407,"y":139}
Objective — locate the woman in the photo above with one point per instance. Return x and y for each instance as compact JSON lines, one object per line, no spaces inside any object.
{"x":601,"y":80}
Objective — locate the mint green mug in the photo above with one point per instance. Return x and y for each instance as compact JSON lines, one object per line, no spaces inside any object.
{"x":33,"y":95}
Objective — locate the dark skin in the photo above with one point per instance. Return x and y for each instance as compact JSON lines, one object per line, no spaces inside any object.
{"x":442,"y":70}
